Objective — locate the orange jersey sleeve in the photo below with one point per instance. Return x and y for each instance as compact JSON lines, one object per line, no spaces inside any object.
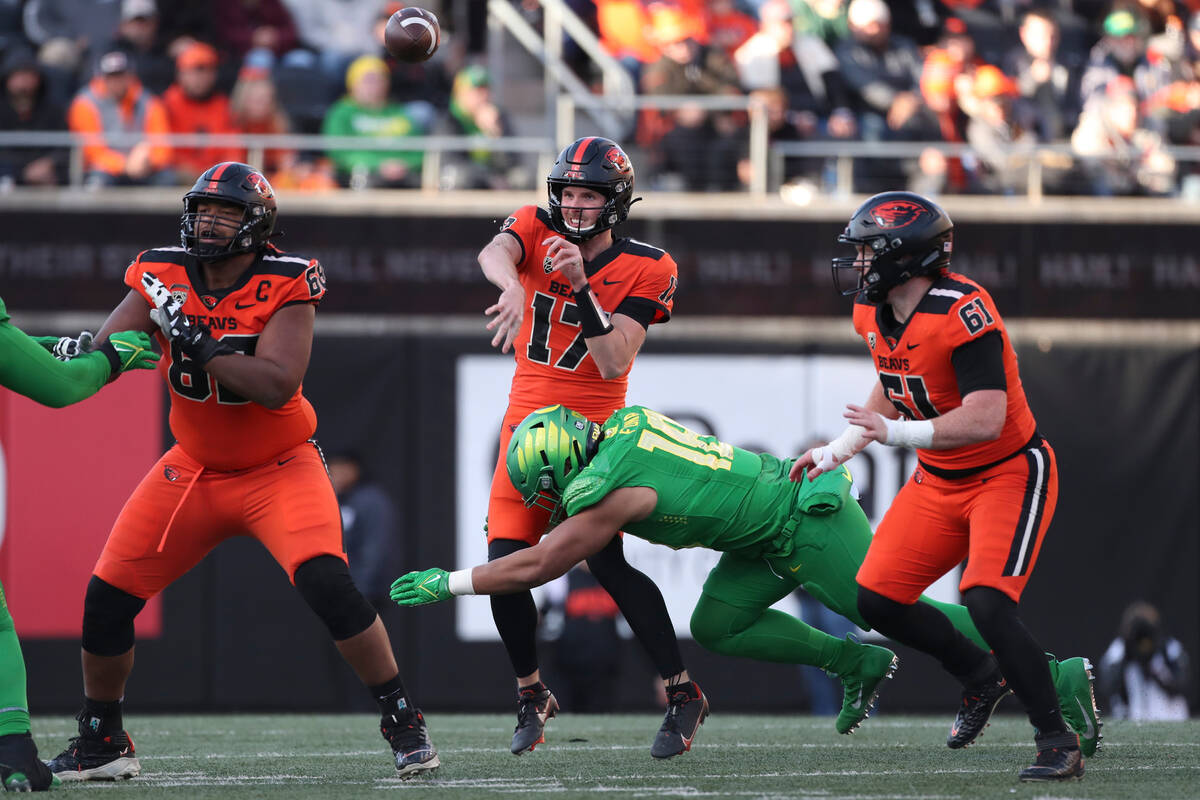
{"x":215,"y":426}
{"x":914,"y":365}
{"x":553,"y":363}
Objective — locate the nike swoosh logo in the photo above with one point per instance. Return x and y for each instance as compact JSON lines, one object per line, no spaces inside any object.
{"x":1089,"y":730}
{"x":914,"y":346}
{"x":241,"y":307}
{"x":425,"y":586}
{"x":283,"y":461}
{"x":607,"y":282}
{"x":796,"y":568}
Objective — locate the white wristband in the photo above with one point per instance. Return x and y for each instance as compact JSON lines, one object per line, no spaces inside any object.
{"x":909,"y":432}
{"x":848,"y":442}
{"x":459,"y":582}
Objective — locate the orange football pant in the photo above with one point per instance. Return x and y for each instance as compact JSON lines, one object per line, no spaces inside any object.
{"x":180,"y":511}
{"x":996,"y":519}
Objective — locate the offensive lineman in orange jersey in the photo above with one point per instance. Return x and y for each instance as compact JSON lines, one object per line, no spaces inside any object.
{"x":986,"y":484}
{"x":575,"y":305}
{"x":234,"y":316}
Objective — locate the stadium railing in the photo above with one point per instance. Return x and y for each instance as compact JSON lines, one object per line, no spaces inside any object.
{"x":762,"y":152}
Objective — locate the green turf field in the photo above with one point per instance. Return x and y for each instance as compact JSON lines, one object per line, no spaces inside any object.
{"x":736,"y":756}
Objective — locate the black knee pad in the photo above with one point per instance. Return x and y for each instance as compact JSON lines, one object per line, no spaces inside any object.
{"x":325,"y":584}
{"x":108,"y":614}
{"x":879,"y":612}
{"x":990,"y":609}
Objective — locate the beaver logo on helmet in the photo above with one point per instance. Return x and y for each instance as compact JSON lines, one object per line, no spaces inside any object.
{"x":617,"y":158}
{"x":260,"y":185}
{"x":897,"y":214}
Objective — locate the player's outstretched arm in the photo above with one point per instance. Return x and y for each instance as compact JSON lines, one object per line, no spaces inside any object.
{"x":579,"y":536}
{"x":29,"y":369}
{"x":499,"y":259}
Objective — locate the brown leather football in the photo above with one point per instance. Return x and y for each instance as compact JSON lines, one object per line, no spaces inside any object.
{"x":412,"y":34}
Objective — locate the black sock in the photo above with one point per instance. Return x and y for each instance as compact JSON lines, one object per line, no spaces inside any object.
{"x":391,"y":697}
{"x":101,"y":717}
{"x":533,"y":688}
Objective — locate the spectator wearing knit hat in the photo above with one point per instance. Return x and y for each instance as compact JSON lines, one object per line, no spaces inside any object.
{"x":365,"y":111}
{"x":195,"y":105}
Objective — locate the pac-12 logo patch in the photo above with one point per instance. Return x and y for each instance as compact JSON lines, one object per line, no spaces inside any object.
{"x":897,"y":214}
{"x":547,"y":265}
{"x":871,"y":340}
{"x":179,"y":292}
{"x":508,"y":223}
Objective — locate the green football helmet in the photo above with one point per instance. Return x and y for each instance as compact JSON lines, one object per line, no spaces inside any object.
{"x":547,"y":450}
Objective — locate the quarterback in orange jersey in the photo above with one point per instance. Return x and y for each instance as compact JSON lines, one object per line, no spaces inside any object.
{"x":985,"y":486}
{"x":234,"y":316}
{"x":575,"y":304}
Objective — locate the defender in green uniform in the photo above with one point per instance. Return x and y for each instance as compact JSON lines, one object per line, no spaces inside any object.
{"x":27,"y":367}
{"x":646,"y":474}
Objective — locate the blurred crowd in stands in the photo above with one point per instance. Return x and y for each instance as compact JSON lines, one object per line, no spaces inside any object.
{"x":1114,"y":83}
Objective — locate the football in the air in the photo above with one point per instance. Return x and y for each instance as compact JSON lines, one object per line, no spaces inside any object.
{"x":412,"y":34}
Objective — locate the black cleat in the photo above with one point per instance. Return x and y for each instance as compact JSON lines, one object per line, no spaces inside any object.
{"x":20,"y":768}
{"x":95,"y":757}
{"x":1058,"y":759}
{"x":687,"y":708}
{"x":978,"y":703}
{"x":534,"y":710}
{"x":410,"y":743}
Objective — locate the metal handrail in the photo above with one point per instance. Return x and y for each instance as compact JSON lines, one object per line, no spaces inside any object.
{"x":557,"y":73}
{"x":846,"y":151}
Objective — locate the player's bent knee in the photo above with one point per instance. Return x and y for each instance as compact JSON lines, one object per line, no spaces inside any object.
{"x":325,"y":584}
{"x":108,"y":614}
{"x":879,"y":612}
{"x":716,"y":625}
{"x":990,"y":608}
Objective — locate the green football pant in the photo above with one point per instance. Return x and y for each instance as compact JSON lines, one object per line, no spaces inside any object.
{"x":14,"y":707}
{"x":734,"y":617}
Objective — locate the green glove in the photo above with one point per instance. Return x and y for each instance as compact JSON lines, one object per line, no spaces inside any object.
{"x":128,"y":350}
{"x":422,"y":588}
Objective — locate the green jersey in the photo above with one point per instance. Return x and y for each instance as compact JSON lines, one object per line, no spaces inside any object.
{"x":710,"y":493}
{"x":27,"y":368}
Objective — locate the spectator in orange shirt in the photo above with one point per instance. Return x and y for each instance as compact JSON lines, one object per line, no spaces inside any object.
{"x":114,"y":102}
{"x":194,"y":105}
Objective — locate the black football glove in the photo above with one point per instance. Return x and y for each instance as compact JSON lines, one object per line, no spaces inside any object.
{"x":196,"y":341}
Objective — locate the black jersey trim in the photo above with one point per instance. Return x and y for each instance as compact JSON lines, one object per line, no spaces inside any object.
{"x":643,"y":310}
{"x":543,"y":216}
{"x":311,"y":301}
{"x":619,"y":247}
{"x":290,"y":268}
{"x":520,"y":243}
{"x":979,"y":364}
{"x":1034,"y":442}
{"x":166,"y":255}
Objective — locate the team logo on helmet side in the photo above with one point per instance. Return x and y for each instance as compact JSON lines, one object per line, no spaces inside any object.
{"x":260,"y":185}
{"x":616,"y":158}
{"x":897,"y":214}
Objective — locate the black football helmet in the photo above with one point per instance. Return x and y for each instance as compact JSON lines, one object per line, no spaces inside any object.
{"x":598,"y":164}
{"x":905,"y":235}
{"x":237,"y":184}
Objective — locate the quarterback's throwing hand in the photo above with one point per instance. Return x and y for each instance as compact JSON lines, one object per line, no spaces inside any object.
{"x":421,"y":588}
